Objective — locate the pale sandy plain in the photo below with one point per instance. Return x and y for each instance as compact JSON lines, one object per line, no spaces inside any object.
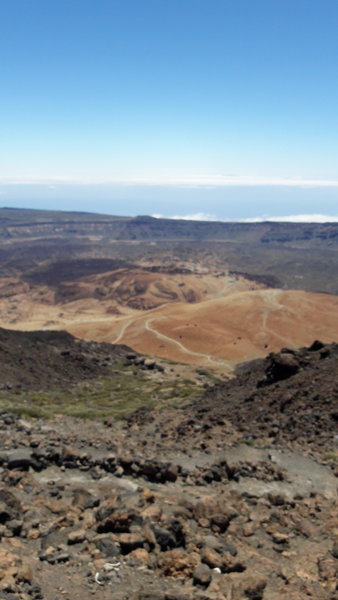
{"x":230,"y":321}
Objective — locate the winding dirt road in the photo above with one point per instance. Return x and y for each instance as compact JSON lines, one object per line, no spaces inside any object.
{"x":272,"y":297}
{"x":184,"y":349}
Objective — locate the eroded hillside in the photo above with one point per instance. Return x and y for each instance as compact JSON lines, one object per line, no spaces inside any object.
{"x":213,"y":294}
{"x":222,"y":332}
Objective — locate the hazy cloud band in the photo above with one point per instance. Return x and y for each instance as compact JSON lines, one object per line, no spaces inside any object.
{"x":188,"y":181}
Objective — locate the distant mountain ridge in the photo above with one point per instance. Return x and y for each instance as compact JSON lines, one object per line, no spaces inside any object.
{"x":26,"y":223}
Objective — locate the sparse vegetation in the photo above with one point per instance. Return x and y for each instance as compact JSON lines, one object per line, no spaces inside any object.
{"x":246,"y":441}
{"x":116,"y":395}
{"x":331,"y":457}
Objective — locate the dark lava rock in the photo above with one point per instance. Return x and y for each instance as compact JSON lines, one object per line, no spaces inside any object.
{"x":22,"y":460}
{"x":107,"y":547}
{"x":65,"y":359}
{"x":202,"y":575}
{"x":84,"y":499}
{"x":292,"y":395}
{"x":166,"y":539}
{"x":10,"y":506}
{"x":280,"y":366}
{"x":131,"y":541}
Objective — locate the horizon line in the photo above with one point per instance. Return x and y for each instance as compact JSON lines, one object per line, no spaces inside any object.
{"x":317,"y":218}
{"x":185,"y":181}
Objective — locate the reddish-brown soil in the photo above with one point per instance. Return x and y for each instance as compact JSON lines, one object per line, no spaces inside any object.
{"x":222,"y":332}
{"x":199,"y":317}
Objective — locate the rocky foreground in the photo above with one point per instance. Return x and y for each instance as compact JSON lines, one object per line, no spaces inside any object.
{"x":231,"y":498}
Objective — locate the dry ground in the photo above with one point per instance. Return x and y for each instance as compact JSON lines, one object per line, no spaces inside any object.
{"x":214,"y":319}
{"x":222,"y":332}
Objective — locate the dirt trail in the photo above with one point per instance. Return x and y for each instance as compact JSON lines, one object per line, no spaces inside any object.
{"x":239,"y":326}
{"x":271,"y":298}
{"x":184,"y":349}
{"x":125,"y":326}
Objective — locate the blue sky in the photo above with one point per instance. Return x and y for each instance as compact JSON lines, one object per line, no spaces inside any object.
{"x":224,"y":108}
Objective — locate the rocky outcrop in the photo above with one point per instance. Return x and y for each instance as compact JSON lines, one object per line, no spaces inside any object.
{"x":43,"y":359}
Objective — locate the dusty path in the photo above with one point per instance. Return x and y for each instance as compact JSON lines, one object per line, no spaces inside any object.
{"x":131,"y":320}
{"x":123,"y":330}
{"x":231,"y":329}
{"x":271,"y":297}
{"x":184,"y":349}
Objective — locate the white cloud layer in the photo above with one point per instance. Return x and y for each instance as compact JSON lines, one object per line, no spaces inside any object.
{"x":312,"y":218}
{"x":194,"y":181}
{"x":236,"y":181}
{"x":200,"y":216}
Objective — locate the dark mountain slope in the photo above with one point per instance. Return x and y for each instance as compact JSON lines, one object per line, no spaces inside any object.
{"x":33,"y":223}
{"x":289,"y":396}
{"x":43,"y":359}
